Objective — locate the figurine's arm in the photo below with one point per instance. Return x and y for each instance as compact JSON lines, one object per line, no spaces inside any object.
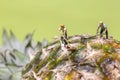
{"x":97,"y":29}
{"x":105,"y":27}
{"x":65,"y":33}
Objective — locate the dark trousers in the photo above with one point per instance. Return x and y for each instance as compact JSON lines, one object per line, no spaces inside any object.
{"x":106,"y":33}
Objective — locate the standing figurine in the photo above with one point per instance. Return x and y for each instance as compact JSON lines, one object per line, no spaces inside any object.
{"x":63,"y":30}
{"x":103,"y":28}
{"x":63,"y":38}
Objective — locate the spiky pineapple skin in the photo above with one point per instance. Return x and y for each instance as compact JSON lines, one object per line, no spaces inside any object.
{"x":87,"y":58}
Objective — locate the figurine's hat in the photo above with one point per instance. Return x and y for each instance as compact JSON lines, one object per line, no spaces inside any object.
{"x":101,"y":22}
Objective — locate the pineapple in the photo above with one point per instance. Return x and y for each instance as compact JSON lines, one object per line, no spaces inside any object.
{"x":79,"y":57}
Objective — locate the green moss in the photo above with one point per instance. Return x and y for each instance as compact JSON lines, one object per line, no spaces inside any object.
{"x":106,"y":47}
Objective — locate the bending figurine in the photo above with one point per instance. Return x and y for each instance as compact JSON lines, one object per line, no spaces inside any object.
{"x":103,"y":28}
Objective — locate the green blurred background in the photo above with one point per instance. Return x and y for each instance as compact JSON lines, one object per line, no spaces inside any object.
{"x":44,"y":16}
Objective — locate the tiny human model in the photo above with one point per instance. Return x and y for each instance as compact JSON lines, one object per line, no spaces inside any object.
{"x":103,"y":29}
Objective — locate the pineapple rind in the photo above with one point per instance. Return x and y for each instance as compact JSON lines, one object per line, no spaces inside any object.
{"x":84,"y":60}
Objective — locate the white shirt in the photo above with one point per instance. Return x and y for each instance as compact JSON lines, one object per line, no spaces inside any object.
{"x":103,"y":26}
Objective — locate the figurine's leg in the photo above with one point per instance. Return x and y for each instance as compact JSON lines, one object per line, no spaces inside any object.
{"x":63,"y":41}
{"x":106,"y":32}
{"x":65,"y":35}
{"x":101,"y":32}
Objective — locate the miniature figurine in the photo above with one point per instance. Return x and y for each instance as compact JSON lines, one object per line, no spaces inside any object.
{"x":63,"y":30}
{"x":103,"y":28}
